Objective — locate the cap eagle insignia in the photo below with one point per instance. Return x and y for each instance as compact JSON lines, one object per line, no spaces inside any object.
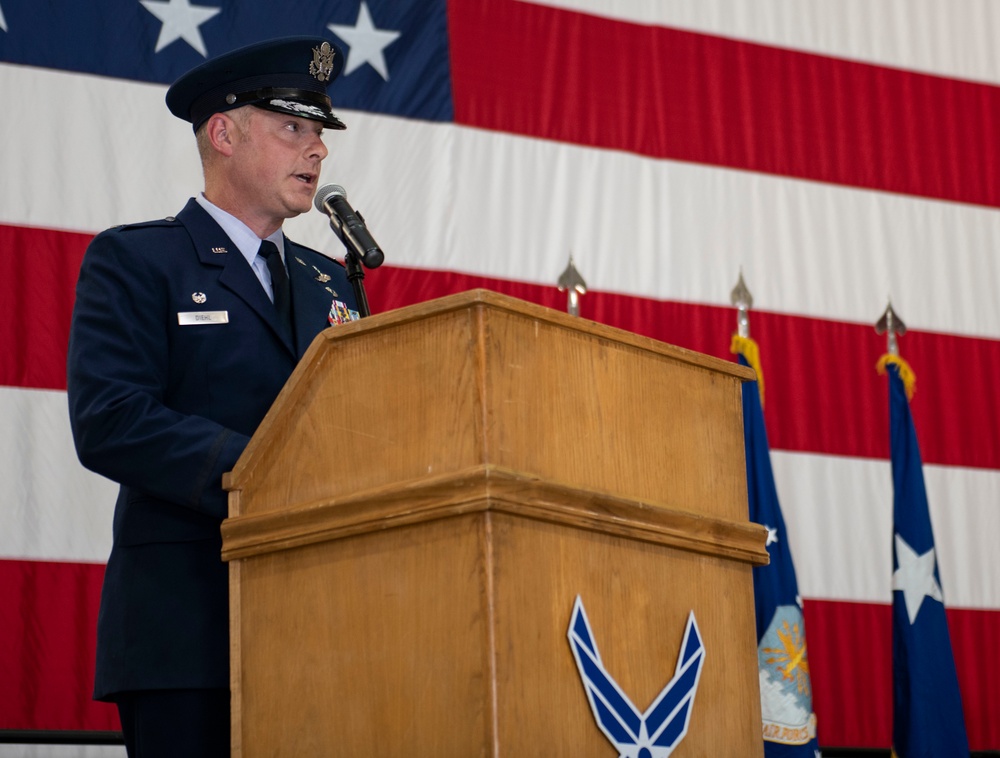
{"x":321,"y":65}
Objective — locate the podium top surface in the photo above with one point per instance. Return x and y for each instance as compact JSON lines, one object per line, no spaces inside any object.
{"x":513,"y":305}
{"x":483,"y":379}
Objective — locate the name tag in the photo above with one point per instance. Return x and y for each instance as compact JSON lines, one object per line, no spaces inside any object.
{"x":191,"y":318}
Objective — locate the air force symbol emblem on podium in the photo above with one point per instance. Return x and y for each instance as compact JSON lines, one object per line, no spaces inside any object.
{"x":655,"y":733}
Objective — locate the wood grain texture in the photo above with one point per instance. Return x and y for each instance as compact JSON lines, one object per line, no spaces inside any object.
{"x":637,"y":597}
{"x":481,"y":378}
{"x":449,"y":638}
{"x":488,"y":488}
{"x":434,"y":487}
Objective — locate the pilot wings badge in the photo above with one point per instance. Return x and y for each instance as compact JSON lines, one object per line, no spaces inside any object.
{"x":655,"y":733}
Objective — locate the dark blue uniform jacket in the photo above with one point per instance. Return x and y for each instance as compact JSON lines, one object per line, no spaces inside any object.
{"x":164,"y":409}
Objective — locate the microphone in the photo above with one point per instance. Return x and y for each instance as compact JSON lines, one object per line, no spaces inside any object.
{"x":331,"y":199}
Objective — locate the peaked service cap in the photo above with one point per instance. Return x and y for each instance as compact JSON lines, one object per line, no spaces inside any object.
{"x":287,"y":75}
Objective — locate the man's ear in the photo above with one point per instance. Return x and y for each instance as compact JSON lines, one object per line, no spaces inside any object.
{"x":220,"y":130}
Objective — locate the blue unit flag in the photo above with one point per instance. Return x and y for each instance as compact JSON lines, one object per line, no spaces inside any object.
{"x":927,"y":704}
{"x":789,"y":722}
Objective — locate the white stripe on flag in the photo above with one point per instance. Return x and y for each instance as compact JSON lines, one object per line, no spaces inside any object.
{"x":51,"y":508}
{"x":955,"y":39}
{"x":838,"y":512}
{"x":511,"y":207}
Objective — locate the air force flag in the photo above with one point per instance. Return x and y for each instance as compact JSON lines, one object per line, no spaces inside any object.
{"x":789,"y":723}
{"x":655,"y":733}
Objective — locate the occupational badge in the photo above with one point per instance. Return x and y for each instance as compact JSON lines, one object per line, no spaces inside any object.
{"x":199,"y":297}
{"x":320,"y":276}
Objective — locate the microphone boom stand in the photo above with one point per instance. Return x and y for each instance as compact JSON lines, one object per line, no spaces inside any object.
{"x":356,"y":276}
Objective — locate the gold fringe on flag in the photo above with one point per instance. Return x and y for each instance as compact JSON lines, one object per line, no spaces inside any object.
{"x":747,"y":347}
{"x":905,"y":372}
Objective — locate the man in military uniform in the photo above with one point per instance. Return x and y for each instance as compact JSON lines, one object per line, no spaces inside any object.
{"x":184,"y":331}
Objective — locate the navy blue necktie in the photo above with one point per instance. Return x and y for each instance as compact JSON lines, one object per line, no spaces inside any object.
{"x":279,"y":283}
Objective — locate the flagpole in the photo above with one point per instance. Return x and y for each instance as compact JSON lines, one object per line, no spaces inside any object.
{"x":927,"y":714}
{"x":571,"y":282}
{"x":743,"y":300}
{"x":742,"y":343}
{"x":788,"y":720}
{"x":890,"y":325}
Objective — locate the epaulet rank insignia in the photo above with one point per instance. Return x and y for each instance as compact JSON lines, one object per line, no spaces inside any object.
{"x":168,"y":221}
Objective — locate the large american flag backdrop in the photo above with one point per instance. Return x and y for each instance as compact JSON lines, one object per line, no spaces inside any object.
{"x":839,"y":152}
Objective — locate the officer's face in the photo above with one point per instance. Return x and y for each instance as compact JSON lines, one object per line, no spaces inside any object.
{"x":277,"y":163}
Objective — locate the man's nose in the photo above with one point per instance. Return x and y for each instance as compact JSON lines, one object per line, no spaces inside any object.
{"x":318,"y":149}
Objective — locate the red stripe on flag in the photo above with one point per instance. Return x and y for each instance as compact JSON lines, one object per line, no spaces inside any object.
{"x":850,"y":662}
{"x":48,"y":623}
{"x":850,"y":667}
{"x":545,"y":72}
{"x":38,"y":271}
{"x":977,"y":661}
{"x":47,"y":669}
{"x":814,"y":402}
{"x":822,"y":393}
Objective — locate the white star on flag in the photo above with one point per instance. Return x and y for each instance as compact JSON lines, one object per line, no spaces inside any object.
{"x":915,"y":577}
{"x":366,"y":43}
{"x":3,"y":22}
{"x":772,"y":535}
{"x":180,"y":21}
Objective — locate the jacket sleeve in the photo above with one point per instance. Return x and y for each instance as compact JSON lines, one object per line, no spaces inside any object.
{"x":118,"y":373}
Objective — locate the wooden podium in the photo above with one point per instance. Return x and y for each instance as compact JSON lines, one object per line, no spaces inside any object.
{"x":435,"y":486}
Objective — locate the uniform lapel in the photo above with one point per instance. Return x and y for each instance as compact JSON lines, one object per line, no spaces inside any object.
{"x":311,"y":298}
{"x":214,"y":248}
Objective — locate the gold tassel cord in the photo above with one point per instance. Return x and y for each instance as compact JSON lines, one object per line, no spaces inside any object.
{"x":747,"y":347}
{"x":905,"y":372}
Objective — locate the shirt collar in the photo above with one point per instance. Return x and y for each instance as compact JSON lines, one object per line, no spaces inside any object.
{"x":241,"y":235}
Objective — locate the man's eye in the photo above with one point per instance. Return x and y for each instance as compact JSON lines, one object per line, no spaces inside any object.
{"x":292,"y":126}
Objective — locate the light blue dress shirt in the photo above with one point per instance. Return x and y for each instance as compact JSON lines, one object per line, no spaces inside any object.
{"x":247,"y":242}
